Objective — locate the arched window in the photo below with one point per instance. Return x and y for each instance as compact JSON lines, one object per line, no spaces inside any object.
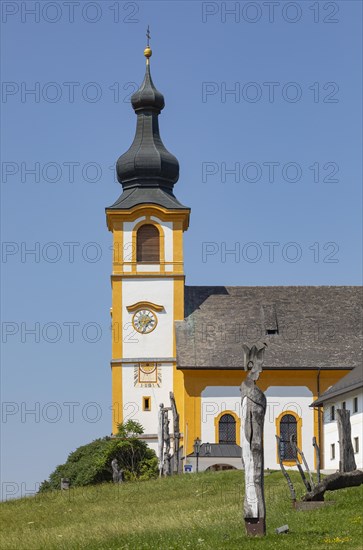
{"x":227,"y":429}
{"x":288,"y":427}
{"x":147,"y":244}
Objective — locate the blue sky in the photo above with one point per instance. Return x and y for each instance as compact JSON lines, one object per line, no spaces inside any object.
{"x":291,"y":131}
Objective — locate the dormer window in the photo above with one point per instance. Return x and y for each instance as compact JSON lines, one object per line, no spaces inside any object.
{"x":148,"y":244}
{"x":270,"y":319}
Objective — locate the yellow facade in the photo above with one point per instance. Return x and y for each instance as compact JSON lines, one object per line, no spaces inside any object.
{"x":195,"y":381}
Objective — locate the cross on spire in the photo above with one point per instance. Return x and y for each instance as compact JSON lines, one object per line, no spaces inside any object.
{"x":148,"y":36}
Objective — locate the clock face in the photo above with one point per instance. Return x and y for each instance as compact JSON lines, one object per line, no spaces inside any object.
{"x":144,"y":321}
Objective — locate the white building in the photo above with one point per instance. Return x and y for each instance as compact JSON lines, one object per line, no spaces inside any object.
{"x":345,"y":394}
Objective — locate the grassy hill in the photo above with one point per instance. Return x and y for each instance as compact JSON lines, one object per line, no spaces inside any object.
{"x":202,"y":511}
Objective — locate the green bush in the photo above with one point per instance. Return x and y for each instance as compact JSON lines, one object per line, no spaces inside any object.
{"x":91,"y":463}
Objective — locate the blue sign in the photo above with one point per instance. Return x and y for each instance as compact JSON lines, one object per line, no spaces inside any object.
{"x":188,"y":468}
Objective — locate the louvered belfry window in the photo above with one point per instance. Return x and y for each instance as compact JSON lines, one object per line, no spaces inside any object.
{"x":147,"y":244}
{"x":227,"y":429}
{"x":288,"y":427}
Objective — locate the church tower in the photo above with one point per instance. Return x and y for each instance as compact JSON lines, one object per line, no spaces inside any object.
{"x":147,"y":222}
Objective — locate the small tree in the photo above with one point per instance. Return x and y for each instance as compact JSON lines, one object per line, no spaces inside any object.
{"x":130,"y":429}
{"x":91,"y":463}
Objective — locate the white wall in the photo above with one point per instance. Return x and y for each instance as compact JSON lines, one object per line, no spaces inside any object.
{"x":159,"y":342}
{"x":132,"y":397}
{"x":331,"y":429}
{"x":216,"y":399}
{"x":205,"y":462}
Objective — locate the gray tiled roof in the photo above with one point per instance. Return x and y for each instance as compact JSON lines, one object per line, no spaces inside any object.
{"x":318,"y":326}
{"x":351,"y":381}
{"x":145,"y":195}
{"x":220,"y":450}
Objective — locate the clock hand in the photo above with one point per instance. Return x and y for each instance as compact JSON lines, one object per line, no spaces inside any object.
{"x":146,"y":324}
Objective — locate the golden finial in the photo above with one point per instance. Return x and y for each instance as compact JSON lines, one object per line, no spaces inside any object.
{"x":147,"y":51}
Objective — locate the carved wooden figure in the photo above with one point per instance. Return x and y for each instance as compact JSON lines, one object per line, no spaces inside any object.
{"x":117,"y":476}
{"x":253,"y":416}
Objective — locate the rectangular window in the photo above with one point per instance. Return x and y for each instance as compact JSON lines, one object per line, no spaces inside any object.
{"x":356,"y":444}
{"x":146,"y":403}
{"x":148,"y":244}
{"x":344,"y":405}
{"x":332,"y":412}
{"x":355,"y":405}
{"x":332,"y":451}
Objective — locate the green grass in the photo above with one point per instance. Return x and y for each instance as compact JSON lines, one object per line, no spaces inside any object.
{"x":197,"y":511}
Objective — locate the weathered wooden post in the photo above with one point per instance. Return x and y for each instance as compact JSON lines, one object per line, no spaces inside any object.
{"x":334,"y":482}
{"x":317,"y":454}
{"x":346,"y":453}
{"x":167,"y":457}
{"x":297,"y":452}
{"x":286,"y":475}
{"x":348,"y":475}
{"x":253,"y":417}
{"x":176,"y":433}
{"x":161,"y":439}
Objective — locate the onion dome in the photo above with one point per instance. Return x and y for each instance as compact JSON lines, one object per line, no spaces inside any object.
{"x":147,"y":96}
{"x":147,"y":163}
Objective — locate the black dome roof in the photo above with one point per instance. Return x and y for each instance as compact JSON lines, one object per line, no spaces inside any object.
{"x":147,"y":163}
{"x":147,"y":96}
